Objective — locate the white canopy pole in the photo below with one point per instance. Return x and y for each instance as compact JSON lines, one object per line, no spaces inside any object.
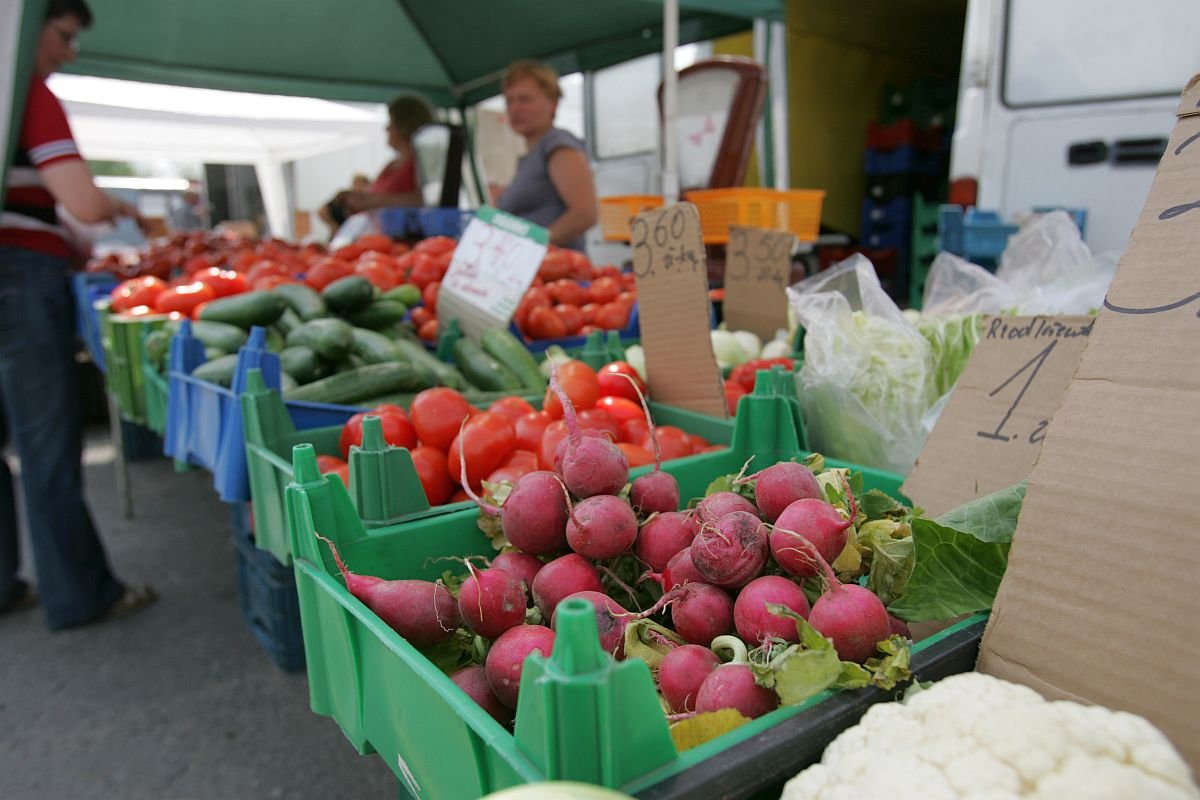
{"x":269,"y":172}
{"x":670,"y":173}
{"x":778,"y":72}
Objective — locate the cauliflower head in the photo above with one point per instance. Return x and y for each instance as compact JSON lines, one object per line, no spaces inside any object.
{"x":975,"y":737}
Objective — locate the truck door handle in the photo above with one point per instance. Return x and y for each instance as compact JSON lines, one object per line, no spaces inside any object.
{"x":1138,"y":151}
{"x":1081,"y":153}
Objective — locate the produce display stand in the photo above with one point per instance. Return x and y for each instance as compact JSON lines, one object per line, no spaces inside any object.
{"x":582,"y":716}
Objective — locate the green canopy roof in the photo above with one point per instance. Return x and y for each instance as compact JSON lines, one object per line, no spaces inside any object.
{"x":451,"y":51}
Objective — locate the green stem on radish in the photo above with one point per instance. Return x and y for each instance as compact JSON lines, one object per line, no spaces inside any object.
{"x":730,"y":644}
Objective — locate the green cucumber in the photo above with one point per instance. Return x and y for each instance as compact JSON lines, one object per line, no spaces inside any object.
{"x":219,"y":370}
{"x":481,"y":369}
{"x":245,"y":310}
{"x":349,"y":294}
{"x":407,"y":293}
{"x":444,"y":374}
{"x":288,"y":321}
{"x":213,"y":353}
{"x":508,"y":350}
{"x":372,"y":380}
{"x":275,"y":339}
{"x":378,"y":315}
{"x":287,"y":382}
{"x":329,"y":338}
{"x":303,"y":364}
{"x":303,"y":300}
{"x":227,"y":337}
{"x":374,"y":348}
{"x":156,"y":345}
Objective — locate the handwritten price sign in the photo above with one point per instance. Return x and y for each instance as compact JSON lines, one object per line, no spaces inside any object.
{"x":991,"y":431}
{"x":758,"y":267}
{"x":493,"y":266}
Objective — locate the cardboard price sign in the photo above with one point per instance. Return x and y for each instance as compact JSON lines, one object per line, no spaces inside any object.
{"x":674,"y":310}
{"x":1099,"y":600}
{"x":990,"y":433}
{"x":758,"y":268}
{"x":494,"y":264}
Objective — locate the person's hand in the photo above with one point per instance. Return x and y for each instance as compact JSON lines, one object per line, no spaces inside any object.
{"x":355,"y":202}
{"x":125,"y":209}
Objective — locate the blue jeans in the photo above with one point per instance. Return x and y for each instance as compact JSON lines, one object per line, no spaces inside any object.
{"x":40,"y":414}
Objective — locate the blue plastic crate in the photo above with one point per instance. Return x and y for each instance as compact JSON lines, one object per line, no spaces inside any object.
{"x":267,"y":596}
{"x":902,"y":161}
{"x":898,"y":237}
{"x":87,"y":289}
{"x":893,"y":213}
{"x":978,"y":236}
{"x":400,"y":222}
{"x":443,"y":221}
{"x":204,"y":421}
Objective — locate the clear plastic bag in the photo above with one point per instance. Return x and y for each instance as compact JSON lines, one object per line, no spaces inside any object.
{"x":355,"y":227}
{"x":866,"y":385}
{"x":956,"y":286}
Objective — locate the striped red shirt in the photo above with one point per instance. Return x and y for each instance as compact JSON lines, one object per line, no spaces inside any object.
{"x":29,"y":220}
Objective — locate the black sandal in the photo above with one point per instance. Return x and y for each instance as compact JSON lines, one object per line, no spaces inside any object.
{"x":28,"y":600}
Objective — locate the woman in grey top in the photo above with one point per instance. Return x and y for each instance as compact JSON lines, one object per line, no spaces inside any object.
{"x":553,"y":185}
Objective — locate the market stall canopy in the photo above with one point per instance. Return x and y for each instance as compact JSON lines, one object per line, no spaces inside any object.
{"x":453,"y":52}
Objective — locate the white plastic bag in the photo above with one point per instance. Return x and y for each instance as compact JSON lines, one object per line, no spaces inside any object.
{"x":956,"y":286}
{"x":866,"y":385}
{"x":355,"y":227}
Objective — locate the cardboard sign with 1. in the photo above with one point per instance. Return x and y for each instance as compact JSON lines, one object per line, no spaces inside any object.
{"x":990,"y":433}
{"x":1099,"y":599}
{"x":758,"y":268}
{"x":674,"y":310}
{"x":493,"y":266}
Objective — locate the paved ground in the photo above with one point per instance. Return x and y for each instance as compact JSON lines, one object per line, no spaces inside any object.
{"x":178,"y":702}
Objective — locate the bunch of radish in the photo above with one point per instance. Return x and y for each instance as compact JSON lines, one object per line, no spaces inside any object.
{"x":729,"y":575}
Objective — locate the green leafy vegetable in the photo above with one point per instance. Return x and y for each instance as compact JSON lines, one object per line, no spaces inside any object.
{"x":650,"y":641}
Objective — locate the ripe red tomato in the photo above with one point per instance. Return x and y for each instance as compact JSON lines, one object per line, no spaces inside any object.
{"x":734,"y":392}
{"x":530,"y":428}
{"x":579,"y":381}
{"x":261,"y":269}
{"x":420,"y":315}
{"x":430,"y":464}
{"x":137,"y":292}
{"x":326,"y":271}
{"x":525,"y":459}
{"x":425,"y":270}
{"x":615,"y":380}
{"x":435,"y":245}
{"x":621,"y":409}
{"x":270,"y":282}
{"x":512,"y":408}
{"x":599,"y":420}
{"x":604,"y":290}
{"x":185,"y":298}
{"x":544,"y":323}
{"x":398,"y":430}
{"x":672,"y":442}
{"x":327,"y":464}
{"x":429,"y":330}
{"x":634,"y":431}
{"x":638,"y":456}
{"x":608,"y":271}
{"x":379,"y":272}
{"x":429,"y":295}
{"x":567,"y":291}
{"x":375,"y":241}
{"x":571,"y":316}
{"x":436,"y":414}
{"x":245,"y":260}
{"x":581,"y":266}
{"x":223,"y":281}
{"x":612,"y":317}
{"x":555,"y":432}
{"x":485,"y":442}
{"x":589,"y":313}
{"x":555,"y":266}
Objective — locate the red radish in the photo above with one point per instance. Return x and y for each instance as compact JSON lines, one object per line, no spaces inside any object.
{"x":611,"y":621}
{"x":491,"y":601}
{"x":717,"y":505}
{"x":423,"y":612}
{"x":702,"y":613}
{"x":680,"y":570}
{"x":898,"y":627}
{"x":522,"y":565}
{"x":656,"y":490}
{"x":681,"y":672}
{"x":780,"y":485}
{"x":473,"y":681}
{"x":815,"y":521}
{"x":534,"y":516}
{"x":563,"y":577}
{"x":662,"y":537}
{"x":755,"y":623}
{"x":602,"y":526}
{"x":506,"y":657}
{"x":591,"y":465}
{"x":733,"y":686}
{"x":852,"y":616}
{"x":732,"y":551}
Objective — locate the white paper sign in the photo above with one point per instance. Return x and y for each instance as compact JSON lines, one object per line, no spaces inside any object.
{"x":493,"y":266}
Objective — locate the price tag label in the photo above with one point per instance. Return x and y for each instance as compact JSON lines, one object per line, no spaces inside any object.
{"x":758,"y":268}
{"x":494,"y":264}
{"x":991,"y":431}
{"x":674,"y":309}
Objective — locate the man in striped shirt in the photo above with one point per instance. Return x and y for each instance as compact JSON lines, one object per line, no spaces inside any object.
{"x":40,"y":412}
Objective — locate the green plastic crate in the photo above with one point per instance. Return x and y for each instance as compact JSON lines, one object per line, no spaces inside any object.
{"x":924,"y":247}
{"x":122,"y":338}
{"x":155,"y":386}
{"x":270,"y":436}
{"x":581,"y":715}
